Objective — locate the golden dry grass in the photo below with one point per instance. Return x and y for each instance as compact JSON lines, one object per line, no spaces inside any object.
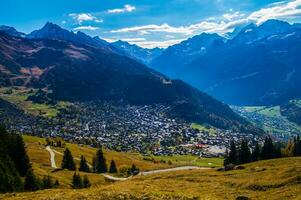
{"x":273,"y":179}
{"x":267,"y":180}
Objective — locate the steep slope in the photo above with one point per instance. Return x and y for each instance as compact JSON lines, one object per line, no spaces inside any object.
{"x":259,"y":66}
{"x":74,"y":72}
{"x":174,"y":58}
{"x":135,"y":52}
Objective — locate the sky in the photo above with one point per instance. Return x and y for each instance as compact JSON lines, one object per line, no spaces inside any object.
{"x":147,"y":23}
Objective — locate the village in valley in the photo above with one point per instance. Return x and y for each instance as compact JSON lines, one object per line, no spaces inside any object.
{"x":144,"y":129}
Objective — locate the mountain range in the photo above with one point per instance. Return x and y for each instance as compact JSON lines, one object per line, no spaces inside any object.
{"x":258,"y":65}
{"x":76,"y":67}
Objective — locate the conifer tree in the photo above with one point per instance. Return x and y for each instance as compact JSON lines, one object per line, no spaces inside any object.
{"x":56,"y":184}
{"x":297,"y":144}
{"x":31,"y":182}
{"x":256,"y":152}
{"x":47,"y":182}
{"x":134,"y":170}
{"x":77,"y":181}
{"x":83,"y":166}
{"x":86,"y":182}
{"x":68,"y":162}
{"x":267,"y":151}
{"x":113,"y":168}
{"x":233,"y":153}
{"x":10,"y":180}
{"x":94,"y":164}
{"x":18,"y":154}
{"x":244,"y":152}
{"x":101,"y":166}
{"x":226,"y":160}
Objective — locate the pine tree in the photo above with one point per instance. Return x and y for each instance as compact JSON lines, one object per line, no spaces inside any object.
{"x":113,"y":168}
{"x":18,"y":154}
{"x":47,"y":182}
{"x":68,"y":162}
{"x":10,"y":180}
{"x":226,"y":160}
{"x":244,"y":152}
{"x":56,"y":184}
{"x":94,"y":164}
{"x":256,"y":152}
{"x":77,"y":181}
{"x":86,"y":182}
{"x":267,"y":151}
{"x":31,"y":182}
{"x":297,"y":144}
{"x":83,"y":166}
{"x":134,"y":170}
{"x":101,"y":166}
{"x":233,"y":153}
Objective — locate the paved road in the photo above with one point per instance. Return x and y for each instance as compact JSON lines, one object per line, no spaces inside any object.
{"x":52,"y":157}
{"x":113,"y":178}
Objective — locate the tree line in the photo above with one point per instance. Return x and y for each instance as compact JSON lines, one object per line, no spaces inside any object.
{"x":16,"y":173}
{"x":242,"y":152}
{"x":99,"y":165}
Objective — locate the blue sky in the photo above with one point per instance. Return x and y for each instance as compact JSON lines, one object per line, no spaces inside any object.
{"x":148,"y":23}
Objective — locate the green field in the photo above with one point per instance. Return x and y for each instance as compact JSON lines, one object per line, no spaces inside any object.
{"x":186,"y":160}
{"x":202,"y":128}
{"x":18,"y":96}
{"x":273,"y":111}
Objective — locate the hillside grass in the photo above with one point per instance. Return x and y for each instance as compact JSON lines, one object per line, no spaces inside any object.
{"x":18,"y":96}
{"x":202,"y":128}
{"x":272,"y":179}
{"x":273,"y":111}
{"x":40,"y":159}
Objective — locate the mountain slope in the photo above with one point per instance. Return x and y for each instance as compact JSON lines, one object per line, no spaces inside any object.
{"x":259,"y":66}
{"x":73,"y":72}
{"x":174,"y":58}
{"x":140,"y":54}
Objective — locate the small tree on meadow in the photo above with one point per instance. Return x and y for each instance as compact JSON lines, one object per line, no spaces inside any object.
{"x":83,"y":166}
{"x":233,"y":153}
{"x":267,"y":151}
{"x":31,"y":182}
{"x":256,"y":152}
{"x":244,"y":152}
{"x":77,"y":181}
{"x":86,"y":182}
{"x":101,"y":166}
{"x":68,"y":162}
{"x":113,"y":168}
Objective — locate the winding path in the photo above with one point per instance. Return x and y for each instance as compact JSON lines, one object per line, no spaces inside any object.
{"x":52,"y":157}
{"x":113,"y":178}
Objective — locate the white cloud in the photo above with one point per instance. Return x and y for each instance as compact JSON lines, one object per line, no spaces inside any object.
{"x":232,"y":15}
{"x":133,"y":39}
{"x":228,"y":21}
{"x":126,"y":8}
{"x":82,"y":17}
{"x":89,"y":28}
{"x":282,"y":10}
{"x":160,"y":44}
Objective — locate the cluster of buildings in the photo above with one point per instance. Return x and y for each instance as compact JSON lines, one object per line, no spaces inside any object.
{"x":146,"y":129}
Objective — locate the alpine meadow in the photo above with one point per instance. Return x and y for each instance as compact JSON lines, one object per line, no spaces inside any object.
{"x":150,"y":100}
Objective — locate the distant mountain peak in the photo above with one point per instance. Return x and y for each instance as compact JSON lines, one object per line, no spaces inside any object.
{"x":11,"y":31}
